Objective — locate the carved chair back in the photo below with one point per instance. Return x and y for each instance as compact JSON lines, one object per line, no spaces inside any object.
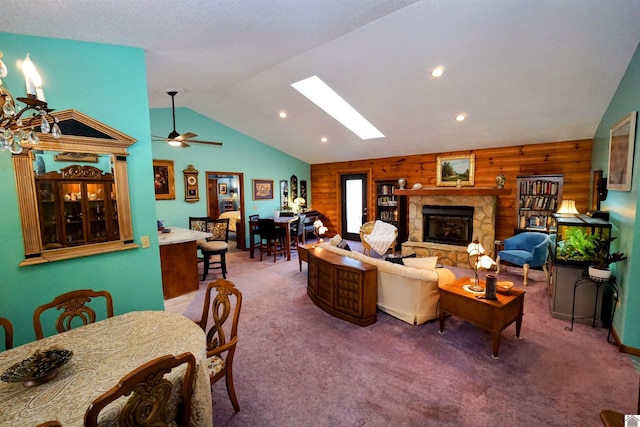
{"x":74,"y":308}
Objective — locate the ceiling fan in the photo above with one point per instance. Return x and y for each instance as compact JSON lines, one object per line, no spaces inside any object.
{"x":174,"y":138}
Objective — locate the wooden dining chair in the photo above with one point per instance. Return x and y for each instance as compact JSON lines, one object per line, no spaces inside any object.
{"x":218,"y":245}
{"x":297,"y":231}
{"x":271,"y":238}
{"x":8,"y":333}
{"x":74,"y":308}
{"x":222,"y":336}
{"x":150,"y":394}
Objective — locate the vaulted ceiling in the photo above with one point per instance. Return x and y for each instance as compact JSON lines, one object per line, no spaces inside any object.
{"x":523,"y":71}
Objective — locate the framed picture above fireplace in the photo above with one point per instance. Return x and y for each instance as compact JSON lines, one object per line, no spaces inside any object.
{"x":452,"y":171}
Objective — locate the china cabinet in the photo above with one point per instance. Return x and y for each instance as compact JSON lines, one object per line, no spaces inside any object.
{"x":73,"y":192}
{"x":78,"y":205}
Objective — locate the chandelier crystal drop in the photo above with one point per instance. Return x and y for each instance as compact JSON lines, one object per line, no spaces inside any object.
{"x":16,"y":128}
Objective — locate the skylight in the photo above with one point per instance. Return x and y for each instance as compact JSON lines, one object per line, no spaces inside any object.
{"x":326,"y":98}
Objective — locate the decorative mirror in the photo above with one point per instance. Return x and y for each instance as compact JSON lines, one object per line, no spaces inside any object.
{"x":284,"y":195}
{"x":73,"y":192}
{"x":294,"y":187}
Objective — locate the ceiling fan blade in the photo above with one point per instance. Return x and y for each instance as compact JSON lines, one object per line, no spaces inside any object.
{"x":186,"y":135}
{"x":206,"y":142}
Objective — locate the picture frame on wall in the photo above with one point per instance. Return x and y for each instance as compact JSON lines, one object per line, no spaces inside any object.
{"x":163,"y":180}
{"x":222,"y":188}
{"x":622,"y":138}
{"x":452,"y":171}
{"x":262,"y":189}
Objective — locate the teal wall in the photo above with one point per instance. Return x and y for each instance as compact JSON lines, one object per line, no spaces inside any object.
{"x":107,"y":83}
{"x":623,"y":205}
{"x":239,"y":153}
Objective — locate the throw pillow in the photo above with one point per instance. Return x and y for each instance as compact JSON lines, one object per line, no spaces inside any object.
{"x":398,"y":259}
{"x":335,"y":240}
{"x":344,"y":245}
{"x":424,"y":263}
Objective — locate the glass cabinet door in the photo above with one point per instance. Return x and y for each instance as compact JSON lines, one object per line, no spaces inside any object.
{"x":96,"y":212}
{"x":49,"y":215}
{"x":73,"y":228}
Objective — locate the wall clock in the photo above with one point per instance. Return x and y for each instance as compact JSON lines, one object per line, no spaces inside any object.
{"x":191,"y":193}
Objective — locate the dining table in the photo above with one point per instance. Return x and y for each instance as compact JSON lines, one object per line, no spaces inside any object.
{"x":103,"y":353}
{"x":282,"y":221}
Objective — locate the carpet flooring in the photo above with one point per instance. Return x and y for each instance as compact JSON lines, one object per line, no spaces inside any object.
{"x":295,"y":365}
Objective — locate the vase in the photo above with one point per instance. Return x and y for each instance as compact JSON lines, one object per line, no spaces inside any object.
{"x":500,"y":180}
{"x":599,"y":274}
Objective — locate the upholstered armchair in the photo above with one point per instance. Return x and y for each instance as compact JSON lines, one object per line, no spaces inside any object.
{"x":528,"y":249}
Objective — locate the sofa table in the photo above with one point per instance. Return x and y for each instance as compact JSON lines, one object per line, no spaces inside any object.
{"x":491,"y":315}
{"x":343,"y":287}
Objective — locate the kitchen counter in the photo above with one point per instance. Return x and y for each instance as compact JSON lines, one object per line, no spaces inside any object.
{"x":179,"y":261}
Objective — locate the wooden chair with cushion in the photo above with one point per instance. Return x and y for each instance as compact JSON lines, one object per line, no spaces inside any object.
{"x":150,"y":394}
{"x":8,"y":333}
{"x":271,"y":238}
{"x":222,"y":336}
{"x":367,"y":228}
{"x":255,"y":229}
{"x":218,"y":244}
{"x":74,"y":309}
{"x":297,"y":231}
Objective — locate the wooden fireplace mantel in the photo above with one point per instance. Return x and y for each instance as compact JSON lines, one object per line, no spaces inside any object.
{"x":453,"y":191}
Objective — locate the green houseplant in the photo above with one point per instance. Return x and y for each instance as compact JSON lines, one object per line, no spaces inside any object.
{"x":591,"y":249}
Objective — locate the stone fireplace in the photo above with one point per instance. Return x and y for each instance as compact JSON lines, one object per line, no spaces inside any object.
{"x":482,"y":225}
{"x":451,"y":225}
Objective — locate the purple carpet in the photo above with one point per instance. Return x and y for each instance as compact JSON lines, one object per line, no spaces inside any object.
{"x":295,"y":365}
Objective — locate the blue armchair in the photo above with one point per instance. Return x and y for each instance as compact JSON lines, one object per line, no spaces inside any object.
{"x":528,"y":249}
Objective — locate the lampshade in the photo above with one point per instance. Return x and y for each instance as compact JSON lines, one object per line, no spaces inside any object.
{"x":568,"y":207}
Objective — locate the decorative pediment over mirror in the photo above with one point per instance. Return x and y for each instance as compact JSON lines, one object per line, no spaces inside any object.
{"x":73,"y":191}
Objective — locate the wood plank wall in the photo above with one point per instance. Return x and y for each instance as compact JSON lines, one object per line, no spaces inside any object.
{"x":570,"y":158}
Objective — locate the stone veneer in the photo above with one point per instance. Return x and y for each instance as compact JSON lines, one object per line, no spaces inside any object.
{"x":484,"y":218}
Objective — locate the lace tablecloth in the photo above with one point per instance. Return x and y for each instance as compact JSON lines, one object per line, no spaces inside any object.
{"x":103,"y":352}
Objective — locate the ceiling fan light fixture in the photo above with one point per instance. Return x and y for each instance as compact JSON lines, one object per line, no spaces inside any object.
{"x":174,"y":143}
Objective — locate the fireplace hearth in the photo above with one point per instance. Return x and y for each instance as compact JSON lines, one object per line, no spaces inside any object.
{"x":452,"y":225}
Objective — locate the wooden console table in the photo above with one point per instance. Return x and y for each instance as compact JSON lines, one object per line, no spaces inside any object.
{"x":491,"y":315}
{"x":343,"y":287}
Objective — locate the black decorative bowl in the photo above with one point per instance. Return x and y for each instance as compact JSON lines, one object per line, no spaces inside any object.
{"x":38,"y":368}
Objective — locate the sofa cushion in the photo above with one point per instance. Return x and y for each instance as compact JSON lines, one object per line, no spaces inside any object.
{"x":398,"y":259}
{"x":425,"y":263}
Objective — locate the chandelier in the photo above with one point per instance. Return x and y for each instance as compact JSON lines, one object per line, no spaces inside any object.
{"x":16,"y":128}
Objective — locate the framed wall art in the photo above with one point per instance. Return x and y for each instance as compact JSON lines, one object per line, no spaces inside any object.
{"x":622,"y":138}
{"x":222,"y":188}
{"x":163,"y":181}
{"x":450,"y":169}
{"x":284,"y":194}
{"x":191,"y":193}
{"x":262,"y":189}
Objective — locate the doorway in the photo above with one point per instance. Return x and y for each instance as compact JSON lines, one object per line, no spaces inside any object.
{"x":224,"y":197}
{"x":353,"y":189}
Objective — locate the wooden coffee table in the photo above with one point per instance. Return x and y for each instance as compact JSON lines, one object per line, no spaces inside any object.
{"x":491,"y":315}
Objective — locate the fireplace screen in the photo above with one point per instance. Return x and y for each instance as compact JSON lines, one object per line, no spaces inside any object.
{"x":451,"y":225}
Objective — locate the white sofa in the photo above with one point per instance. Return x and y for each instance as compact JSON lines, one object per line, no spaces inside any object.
{"x":410,"y":294}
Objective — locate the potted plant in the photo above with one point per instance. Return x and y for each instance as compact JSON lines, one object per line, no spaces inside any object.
{"x":600,"y":258}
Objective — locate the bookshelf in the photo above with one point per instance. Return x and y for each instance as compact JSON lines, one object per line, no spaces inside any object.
{"x":537,"y":198}
{"x":391,"y":208}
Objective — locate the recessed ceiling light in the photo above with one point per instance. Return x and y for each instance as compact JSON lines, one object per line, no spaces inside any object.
{"x":461,"y":117}
{"x":283,"y":114}
{"x":324,"y":139}
{"x":326,"y":98}
{"x":438,"y":71}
